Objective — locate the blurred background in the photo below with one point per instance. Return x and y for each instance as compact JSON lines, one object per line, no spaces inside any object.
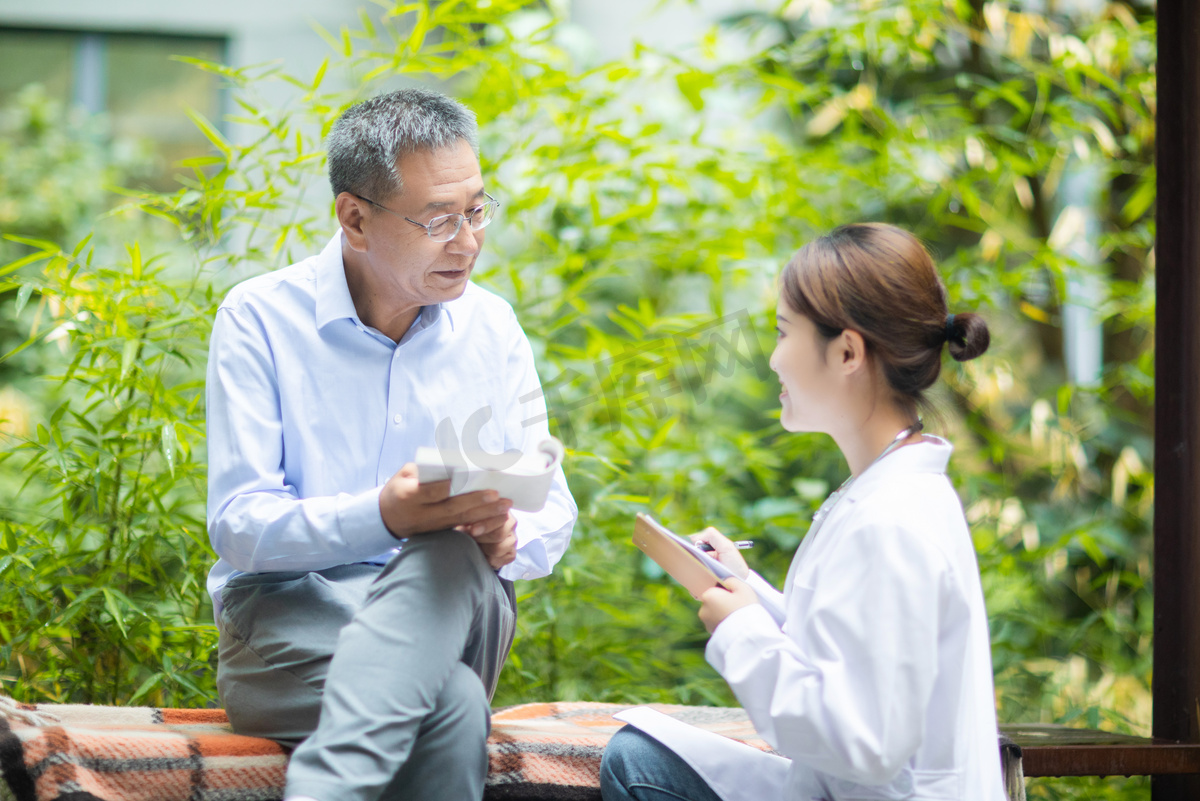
{"x":658,"y":163}
{"x":114,"y":59}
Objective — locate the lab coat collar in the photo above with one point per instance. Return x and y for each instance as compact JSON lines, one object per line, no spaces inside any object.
{"x":929,"y":456}
{"x":333,"y":301}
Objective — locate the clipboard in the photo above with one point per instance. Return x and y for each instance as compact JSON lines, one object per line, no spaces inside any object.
{"x":667,"y":549}
{"x":690,"y":566}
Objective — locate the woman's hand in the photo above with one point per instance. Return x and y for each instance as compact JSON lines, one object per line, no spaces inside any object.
{"x":718,"y":603}
{"x":724,"y":551}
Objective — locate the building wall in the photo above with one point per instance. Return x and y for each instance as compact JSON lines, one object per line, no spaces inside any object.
{"x":257,"y":30}
{"x":145,"y":94}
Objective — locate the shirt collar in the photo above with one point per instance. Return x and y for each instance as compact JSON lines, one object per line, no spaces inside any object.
{"x":430,"y":314}
{"x":333,"y":301}
{"x":437,"y":310}
{"x":929,"y":456}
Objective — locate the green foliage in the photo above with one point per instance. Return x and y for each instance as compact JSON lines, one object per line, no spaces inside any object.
{"x":96,"y":601}
{"x":648,"y":204}
{"x":101,"y":535}
{"x":104,"y":567}
{"x":55,"y":172}
{"x":968,"y":124}
{"x":55,"y":168}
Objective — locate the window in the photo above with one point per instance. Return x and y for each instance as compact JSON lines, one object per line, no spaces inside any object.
{"x":129,"y":77}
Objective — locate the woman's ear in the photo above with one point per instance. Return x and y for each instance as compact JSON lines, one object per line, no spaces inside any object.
{"x":851,"y":351}
{"x":350,"y":214}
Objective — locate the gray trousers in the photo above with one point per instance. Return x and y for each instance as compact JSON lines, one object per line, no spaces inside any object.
{"x":381,"y":675}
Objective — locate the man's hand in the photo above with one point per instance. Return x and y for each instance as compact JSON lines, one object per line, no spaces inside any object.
{"x":410,"y":508}
{"x":497,"y":538}
{"x":718,"y":603}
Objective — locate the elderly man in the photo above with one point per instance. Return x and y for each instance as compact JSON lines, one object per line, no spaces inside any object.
{"x":363,"y":616}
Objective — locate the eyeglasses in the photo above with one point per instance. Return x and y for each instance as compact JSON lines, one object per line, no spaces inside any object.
{"x":446,"y":226}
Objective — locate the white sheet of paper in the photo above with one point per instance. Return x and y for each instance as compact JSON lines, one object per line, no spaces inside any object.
{"x":526,"y":482}
{"x":733,"y":770}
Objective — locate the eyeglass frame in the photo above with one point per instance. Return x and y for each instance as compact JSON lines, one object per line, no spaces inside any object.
{"x":429,"y":225}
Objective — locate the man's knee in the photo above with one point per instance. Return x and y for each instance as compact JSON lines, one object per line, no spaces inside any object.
{"x":445,"y":556}
{"x":453,"y":544}
{"x":462,"y":705}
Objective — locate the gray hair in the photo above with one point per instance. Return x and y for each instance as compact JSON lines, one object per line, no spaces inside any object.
{"x":366,"y":140}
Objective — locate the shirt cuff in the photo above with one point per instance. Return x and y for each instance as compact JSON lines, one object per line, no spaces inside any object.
{"x":361,"y":522}
{"x":739,"y":624}
{"x":532,"y":562}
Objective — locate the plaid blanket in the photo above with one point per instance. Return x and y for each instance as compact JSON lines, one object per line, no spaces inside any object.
{"x":97,"y":753}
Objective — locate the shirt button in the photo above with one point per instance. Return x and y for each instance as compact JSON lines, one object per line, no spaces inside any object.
{"x":397,"y":419}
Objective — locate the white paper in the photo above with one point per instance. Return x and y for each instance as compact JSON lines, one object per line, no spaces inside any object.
{"x":524,"y":480}
{"x":733,"y":770}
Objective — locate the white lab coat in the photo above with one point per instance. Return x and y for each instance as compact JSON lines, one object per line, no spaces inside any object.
{"x":879,"y":684}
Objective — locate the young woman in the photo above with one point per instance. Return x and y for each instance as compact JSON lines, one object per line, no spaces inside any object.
{"x":879,"y":683}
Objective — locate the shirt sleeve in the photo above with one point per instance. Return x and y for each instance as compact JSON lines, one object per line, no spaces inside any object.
{"x":256,"y":520}
{"x":543,"y":536}
{"x":845,"y":687}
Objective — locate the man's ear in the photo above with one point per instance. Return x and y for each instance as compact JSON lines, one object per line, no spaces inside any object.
{"x":851,"y":351}
{"x":351,"y":212}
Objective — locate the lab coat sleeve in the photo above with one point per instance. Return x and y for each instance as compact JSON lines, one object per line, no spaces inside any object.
{"x":256,"y":520}
{"x":542,"y":536}
{"x":763,"y":587}
{"x":844,"y":687}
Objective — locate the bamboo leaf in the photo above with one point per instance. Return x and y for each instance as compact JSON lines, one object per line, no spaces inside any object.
{"x":41,"y":244}
{"x":320,"y":76}
{"x":128,"y":356}
{"x":112,"y":603}
{"x":135,"y":260}
{"x":32,"y":258}
{"x":23,"y":295}
{"x":145,"y":687}
{"x":31,"y":340}
{"x":367,"y":23}
{"x":210,"y":132}
{"x":83,"y":243}
{"x":170,"y":444}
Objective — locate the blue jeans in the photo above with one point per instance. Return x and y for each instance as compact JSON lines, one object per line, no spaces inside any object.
{"x":636,"y":767}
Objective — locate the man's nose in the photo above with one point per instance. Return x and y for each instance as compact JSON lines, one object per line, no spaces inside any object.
{"x":467,"y":241}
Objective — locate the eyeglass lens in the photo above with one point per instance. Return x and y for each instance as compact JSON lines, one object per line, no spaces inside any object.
{"x":446,"y":227}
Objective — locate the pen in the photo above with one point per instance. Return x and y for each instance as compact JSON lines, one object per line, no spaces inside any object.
{"x":741,"y":545}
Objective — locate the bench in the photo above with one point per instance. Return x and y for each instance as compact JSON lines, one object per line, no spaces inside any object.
{"x":1049,"y":750}
{"x":537,"y":752}
{"x":52,"y":752}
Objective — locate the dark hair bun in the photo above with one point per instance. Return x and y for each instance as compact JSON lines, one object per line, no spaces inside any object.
{"x":880,"y":281}
{"x":969,"y":337}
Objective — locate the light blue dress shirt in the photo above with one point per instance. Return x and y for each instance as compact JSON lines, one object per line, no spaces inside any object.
{"x":310,"y":412}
